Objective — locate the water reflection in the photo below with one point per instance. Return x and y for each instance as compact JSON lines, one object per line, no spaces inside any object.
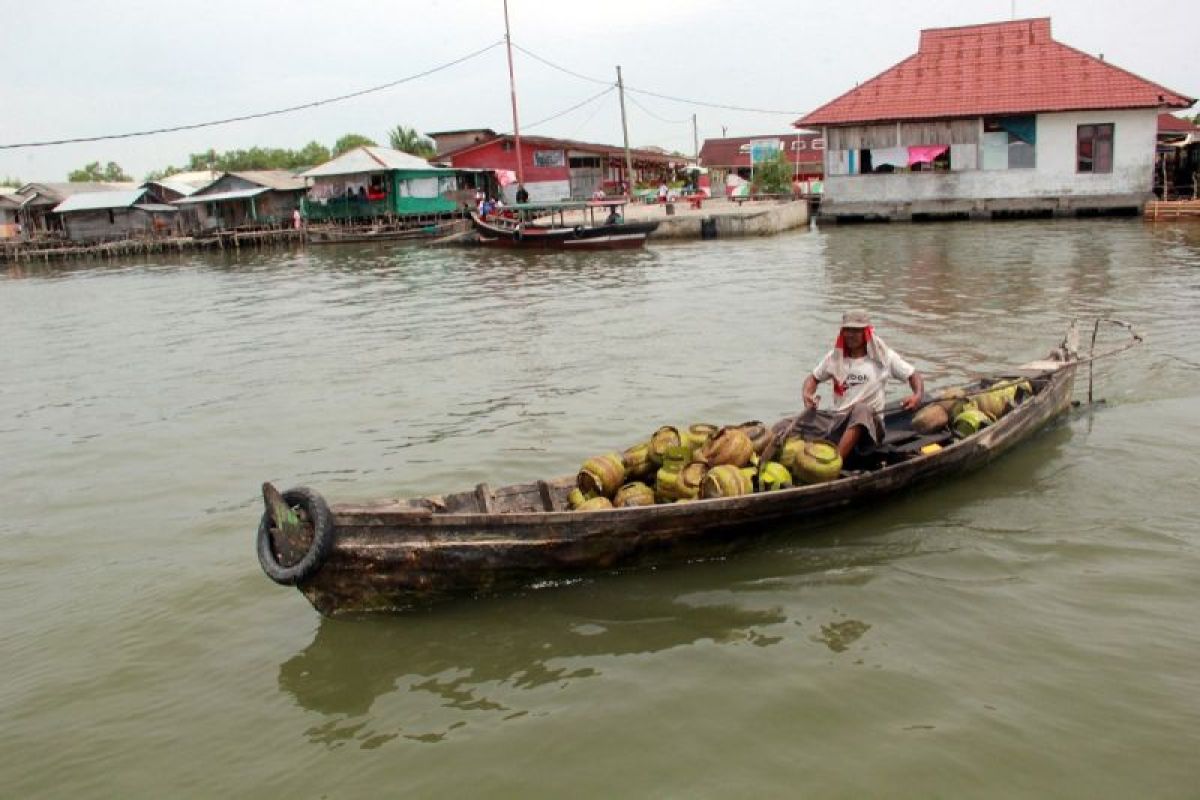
{"x":424,"y":676}
{"x":460,"y":655}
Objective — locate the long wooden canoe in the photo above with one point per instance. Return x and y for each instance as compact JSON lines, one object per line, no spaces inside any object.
{"x":395,"y":554}
{"x":497,"y":231}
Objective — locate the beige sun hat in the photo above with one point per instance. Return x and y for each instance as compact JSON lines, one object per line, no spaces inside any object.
{"x":856,"y":318}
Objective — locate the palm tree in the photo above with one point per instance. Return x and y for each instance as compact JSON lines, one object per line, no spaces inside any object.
{"x":407,"y":140}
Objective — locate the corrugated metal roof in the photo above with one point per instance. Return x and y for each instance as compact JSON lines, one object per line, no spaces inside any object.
{"x":216,"y":197}
{"x":198,"y":178}
{"x":567,"y":144}
{"x":367,"y":159}
{"x":61,"y":191}
{"x":998,"y":68}
{"x":98,"y":201}
{"x":278,"y":179}
{"x":156,"y":207}
{"x":180,"y":187}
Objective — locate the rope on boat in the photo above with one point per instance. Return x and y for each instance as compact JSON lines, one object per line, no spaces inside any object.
{"x":1067,"y":348}
{"x":1134,"y":341}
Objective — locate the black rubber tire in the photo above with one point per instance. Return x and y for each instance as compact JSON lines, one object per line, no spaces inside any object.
{"x":322,"y":521}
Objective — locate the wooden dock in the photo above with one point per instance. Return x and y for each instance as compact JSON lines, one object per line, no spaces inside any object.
{"x":1172,"y":209}
{"x":56,"y":250}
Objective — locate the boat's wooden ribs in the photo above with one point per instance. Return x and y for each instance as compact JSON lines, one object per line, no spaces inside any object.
{"x":483,"y":494}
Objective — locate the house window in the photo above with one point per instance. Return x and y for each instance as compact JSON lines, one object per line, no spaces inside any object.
{"x":1094,"y":148}
{"x":1009,"y":142}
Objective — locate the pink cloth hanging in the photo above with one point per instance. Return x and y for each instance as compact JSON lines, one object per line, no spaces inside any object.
{"x":925,"y":153}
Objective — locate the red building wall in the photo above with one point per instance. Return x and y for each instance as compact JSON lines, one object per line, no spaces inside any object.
{"x":493,"y":155}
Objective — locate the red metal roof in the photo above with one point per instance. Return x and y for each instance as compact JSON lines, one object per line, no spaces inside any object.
{"x":998,"y":68}
{"x":1169,"y":123}
{"x":570,"y":144}
{"x":735,"y":152}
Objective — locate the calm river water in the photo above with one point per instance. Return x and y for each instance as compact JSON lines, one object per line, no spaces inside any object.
{"x":1027,"y":631}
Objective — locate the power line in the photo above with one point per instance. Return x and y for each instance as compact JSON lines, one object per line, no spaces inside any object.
{"x":714,"y":105}
{"x":596,"y":96}
{"x":687,"y":121}
{"x":551,"y":64}
{"x":260,"y":115}
{"x":587,"y":119}
{"x":628,"y":88}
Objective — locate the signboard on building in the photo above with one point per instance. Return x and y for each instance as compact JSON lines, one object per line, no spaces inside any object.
{"x":763,"y":150}
{"x":549,"y":158}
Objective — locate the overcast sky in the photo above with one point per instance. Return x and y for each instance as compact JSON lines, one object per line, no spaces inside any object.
{"x":75,"y":68}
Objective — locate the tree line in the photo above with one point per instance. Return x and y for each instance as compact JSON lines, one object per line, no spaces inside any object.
{"x":402,"y":138}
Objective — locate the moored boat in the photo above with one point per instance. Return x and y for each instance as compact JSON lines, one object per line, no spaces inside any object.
{"x":334,"y":234}
{"x":395,"y":554}
{"x":543,"y":226}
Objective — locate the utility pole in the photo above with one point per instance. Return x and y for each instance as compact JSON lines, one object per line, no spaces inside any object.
{"x":695,"y":141}
{"x":625,"y":133}
{"x":512,"y":86}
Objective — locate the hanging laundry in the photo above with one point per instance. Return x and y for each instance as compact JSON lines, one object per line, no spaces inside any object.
{"x":925,"y":153}
{"x":896,"y":156}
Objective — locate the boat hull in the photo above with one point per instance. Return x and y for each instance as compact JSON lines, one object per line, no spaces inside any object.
{"x":582,"y":237}
{"x":395,"y":555}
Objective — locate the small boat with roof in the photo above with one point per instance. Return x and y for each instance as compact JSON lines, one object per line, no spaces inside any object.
{"x":568,"y":225}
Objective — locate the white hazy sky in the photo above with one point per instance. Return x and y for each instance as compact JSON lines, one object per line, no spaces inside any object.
{"x":76,"y":68}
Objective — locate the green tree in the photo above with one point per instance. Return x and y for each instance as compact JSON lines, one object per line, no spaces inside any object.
{"x":159,"y":174}
{"x":349,"y":142}
{"x":312,"y":154}
{"x":93,"y":172}
{"x":9,"y":180}
{"x":407,"y":140}
{"x":774,"y":176}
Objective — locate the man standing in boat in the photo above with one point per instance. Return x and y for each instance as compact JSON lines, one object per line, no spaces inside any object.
{"x":859,"y":366}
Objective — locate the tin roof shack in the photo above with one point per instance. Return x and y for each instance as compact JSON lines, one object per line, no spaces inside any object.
{"x":731,"y":156}
{"x":38,"y":200}
{"x":1177,"y":160}
{"x":252,"y":199}
{"x":372,"y":182}
{"x":10,"y":207}
{"x":171,"y":189}
{"x":555,"y":169}
{"x":104,"y":216}
{"x":990,"y":121}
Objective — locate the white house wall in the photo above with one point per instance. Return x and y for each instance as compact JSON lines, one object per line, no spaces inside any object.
{"x":1054,"y":177}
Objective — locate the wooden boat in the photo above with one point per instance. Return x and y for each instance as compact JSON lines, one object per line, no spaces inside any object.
{"x":380,"y":233}
{"x":543,"y":226}
{"x":394,"y":554}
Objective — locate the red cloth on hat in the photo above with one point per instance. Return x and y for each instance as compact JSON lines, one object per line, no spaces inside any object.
{"x":839,"y":387}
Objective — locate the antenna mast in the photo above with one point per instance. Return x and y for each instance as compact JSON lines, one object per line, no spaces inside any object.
{"x":512,"y":86}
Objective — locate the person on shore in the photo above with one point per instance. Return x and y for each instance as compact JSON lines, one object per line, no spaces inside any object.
{"x":663,"y":191}
{"x":859,"y":367}
{"x":296,"y":220}
{"x":522,"y":195}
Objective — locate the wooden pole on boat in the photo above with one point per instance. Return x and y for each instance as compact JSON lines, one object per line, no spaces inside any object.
{"x":625,"y":134}
{"x":512,"y":87}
